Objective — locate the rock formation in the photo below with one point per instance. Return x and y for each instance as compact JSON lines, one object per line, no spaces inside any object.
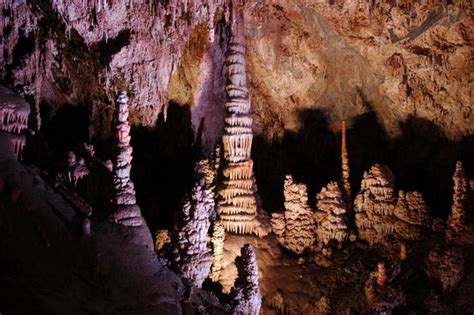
{"x":331,"y":215}
{"x":237,"y":203}
{"x":375,"y":203}
{"x":457,"y":218}
{"x":191,"y":257}
{"x":162,"y":239}
{"x":381,"y":296}
{"x":73,"y":171}
{"x":14,"y":112}
{"x":246,"y":295}
{"x":217,"y":242}
{"x":295,"y":228}
{"x":126,"y":210}
{"x":379,"y":213}
{"x":445,"y":265}
{"x":345,"y":170}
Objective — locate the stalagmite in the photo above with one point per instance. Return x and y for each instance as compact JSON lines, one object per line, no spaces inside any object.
{"x":295,"y":228}
{"x":14,"y":112}
{"x":126,"y":211}
{"x":237,"y":203}
{"x":331,"y":215}
{"x":445,"y":265}
{"x":246,"y":295}
{"x":217,"y":241}
{"x":379,"y":213}
{"x":191,"y":257}
{"x":457,"y":218}
{"x":346,"y":185}
{"x":381,"y":295}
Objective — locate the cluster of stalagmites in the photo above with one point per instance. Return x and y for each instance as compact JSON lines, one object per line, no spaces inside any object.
{"x":380,"y":213}
{"x":245,"y":294}
{"x":190,"y":255}
{"x":73,"y":171}
{"x":295,"y":227}
{"x":237,"y":203}
{"x":126,"y":211}
{"x":14,"y":112}
{"x":446,"y":265}
{"x":381,"y":295}
{"x":457,"y":218}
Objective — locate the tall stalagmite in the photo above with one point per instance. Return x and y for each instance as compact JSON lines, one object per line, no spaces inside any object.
{"x":126,"y":211}
{"x":457,"y":218}
{"x":346,"y":185}
{"x":237,"y":203}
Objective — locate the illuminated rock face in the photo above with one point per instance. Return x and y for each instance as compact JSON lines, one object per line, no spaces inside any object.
{"x":189,"y":240}
{"x":295,"y":228}
{"x":457,"y":218}
{"x":14,"y":112}
{"x":345,"y":170}
{"x":217,"y":241}
{"x":237,"y":203}
{"x":331,"y":215}
{"x":246,"y":295}
{"x":126,"y":211}
{"x":379,"y":213}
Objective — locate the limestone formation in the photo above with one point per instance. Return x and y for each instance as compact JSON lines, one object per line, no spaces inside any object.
{"x":379,"y":213}
{"x":73,"y":171}
{"x":206,"y":174}
{"x":217,"y":242}
{"x":457,"y":218}
{"x":162,"y":238}
{"x":445,"y":265}
{"x":331,"y":215}
{"x":237,"y":203}
{"x":14,"y":112}
{"x":413,"y":215}
{"x":126,"y":211}
{"x":375,"y":203}
{"x":346,"y":185}
{"x":295,"y":228}
{"x":190,"y":255}
{"x":381,"y":295}
{"x":246,"y":295}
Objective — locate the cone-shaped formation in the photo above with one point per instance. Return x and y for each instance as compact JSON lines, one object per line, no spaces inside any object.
{"x":217,"y":241}
{"x":381,"y":295}
{"x":206,"y":175}
{"x":446,"y":265}
{"x":126,"y":211}
{"x":14,"y":112}
{"x":331,"y":215}
{"x":295,"y":228}
{"x":246,"y":295}
{"x":73,"y":171}
{"x":379,"y":213}
{"x":457,"y":218}
{"x":191,"y":258}
{"x":237,"y":204}
{"x":346,"y":185}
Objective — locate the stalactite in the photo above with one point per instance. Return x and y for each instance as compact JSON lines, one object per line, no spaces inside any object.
{"x":127,"y":212}
{"x":237,"y":204}
{"x":14,"y":112}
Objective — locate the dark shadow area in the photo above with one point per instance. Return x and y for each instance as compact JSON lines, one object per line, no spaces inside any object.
{"x":67,"y":128}
{"x":162,"y":166}
{"x":421,"y":158}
